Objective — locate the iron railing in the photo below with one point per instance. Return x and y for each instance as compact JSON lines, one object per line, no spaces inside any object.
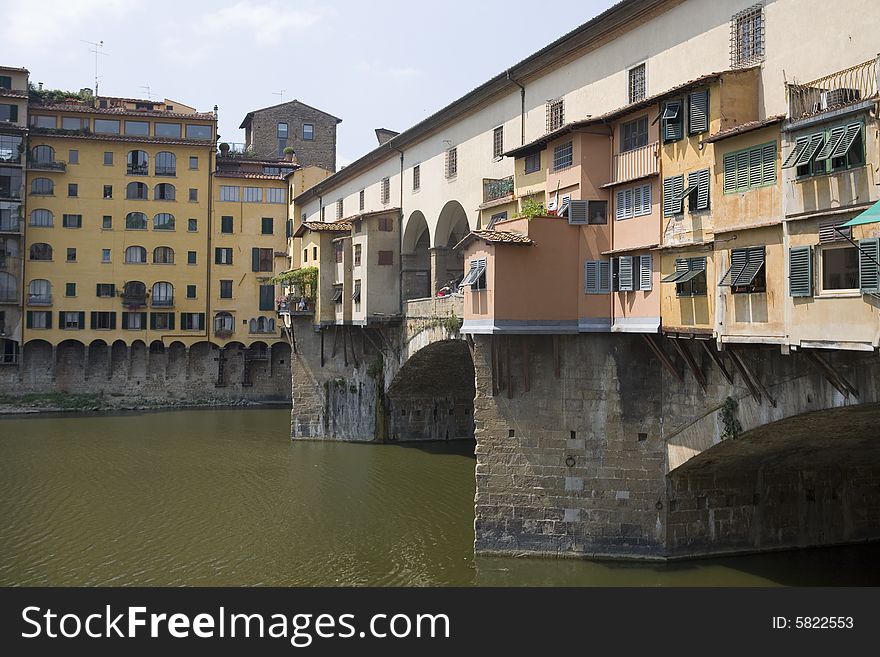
{"x":637,"y":163}
{"x":497,"y":188}
{"x":39,"y":299}
{"x":8,"y":225}
{"x":162,"y":303}
{"x":46,"y":165}
{"x":851,"y":85}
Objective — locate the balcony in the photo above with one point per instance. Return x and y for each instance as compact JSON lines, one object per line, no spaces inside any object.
{"x":838,"y":90}
{"x":495,"y":189}
{"x":8,"y":297}
{"x":9,"y":225}
{"x":296,"y":306}
{"x":46,"y":165}
{"x":10,"y":156}
{"x":134,"y":300}
{"x":138,"y":170}
{"x":162,"y":303}
{"x":39,"y":300}
{"x":637,"y":163}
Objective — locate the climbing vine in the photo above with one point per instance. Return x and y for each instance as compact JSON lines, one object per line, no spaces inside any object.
{"x":303,"y":281}
{"x":732,"y":427}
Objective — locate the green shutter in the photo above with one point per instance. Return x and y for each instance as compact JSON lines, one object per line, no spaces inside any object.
{"x":112,"y":320}
{"x":125,"y":320}
{"x":833,"y":140}
{"x":267,"y":297}
{"x":93,"y":318}
{"x":625,"y":273}
{"x":61,"y":319}
{"x":701,"y":180}
{"x":797,"y":150}
{"x":729,"y":172}
{"x":255,"y":259}
{"x":170,"y":321}
{"x":800,"y":271}
{"x":742,"y":171}
{"x":848,"y":139}
{"x":672,"y":189}
{"x":81,"y":320}
{"x":143,"y":320}
{"x":768,"y":164}
{"x":755,"y":167}
{"x":699,"y":112}
{"x":152,"y":321}
{"x":98,"y":290}
{"x":869,"y":270}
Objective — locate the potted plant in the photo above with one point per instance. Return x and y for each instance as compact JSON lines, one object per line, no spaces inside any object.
{"x":289,"y":154}
{"x":224,"y":148}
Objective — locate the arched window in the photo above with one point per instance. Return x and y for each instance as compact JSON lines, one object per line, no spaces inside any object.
{"x":136,"y":255}
{"x":135,"y":221}
{"x":261,"y":324}
{"x":163,"y":221}
{"x":252,"y":325}
{"x":223,"y":323}
{"x":163,"y":294}
{"x":42,"y":186}
{"x":41,"y":217}
{"x":8,"y":287}
{"x":137,"y":190}
{"x":43,"y":154}
{"x":166,"y":164}
{"x":40,"y":251}
{"x":163,"y":255}
{"x":134,"y":293}
{"x":39,"y":292}
{"x":138,"y":163}
{"x":164,"y":192}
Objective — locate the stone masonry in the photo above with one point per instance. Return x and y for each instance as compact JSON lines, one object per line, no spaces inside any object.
{"x":261,"y":132}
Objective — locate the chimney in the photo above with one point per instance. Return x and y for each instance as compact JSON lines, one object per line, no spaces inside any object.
{"x":384,"y":134}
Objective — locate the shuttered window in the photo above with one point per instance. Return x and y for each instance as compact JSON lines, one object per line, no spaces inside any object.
{"x":672,"y":121}
{"x":672,"y":195}
{"x":869,"y":265}
{"x":689,"y":277}
{"x":633,"y":202}
{"x":261,"y":259}
{"x":746,"y":273}
{"x":698,"y":115}
{"x":750,"y":168}
{"x":829,"y":231}
{"x":646,"y":269}
{"x":625,"y":274}
{"x":476,"y":275}
{"x":805,"y":149}
{"x":800,"y":271}
{"x":577,"y":212}
{"x":835,"y":149}
{"x":267,"y":297}
{"x":597,"y":276}
{"x":699,"y":182}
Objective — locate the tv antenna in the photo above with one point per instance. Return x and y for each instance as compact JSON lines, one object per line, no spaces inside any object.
{"x":279,"y":93}
{"x":97,"y":49}
{"x":146,"y":87}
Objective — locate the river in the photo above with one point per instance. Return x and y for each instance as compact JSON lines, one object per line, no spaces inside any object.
{"x":222,"y":497}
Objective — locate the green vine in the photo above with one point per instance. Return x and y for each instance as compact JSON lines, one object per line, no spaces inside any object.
{"x":303,"y":281}
{"x":732,"y":428}
{"x":453,"y":324}
{"x":531,"y":208}
{"x":39,"y":96}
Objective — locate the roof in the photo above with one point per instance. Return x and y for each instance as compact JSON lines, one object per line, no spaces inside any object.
{"x":122,"y":111}
{"x":282,"y":163}
{"x":323,"y":227}
{"x":250,"y":115}
{"x":744,"y":128}
{"x":541,"y":142}
{"x":72,"y":134}
{"x":623,"y":15}
{"x":14,"y":93}
{"x":220,"y":173}
{"x":495,"y":237}
{"x":373,"y":213}
{"x":19,"y":69}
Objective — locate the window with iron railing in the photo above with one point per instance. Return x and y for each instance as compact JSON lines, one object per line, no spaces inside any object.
{"x":555,"y":114}
{"x":747,"y":37}
{"x":637,"y":83}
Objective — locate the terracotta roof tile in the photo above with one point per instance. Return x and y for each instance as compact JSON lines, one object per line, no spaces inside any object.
{"x":121,"y":111}
{"x":73,"y":134}
{"x":496,"y":237}
{"x":244,"y":174}
{"x":323,"y":227}
{"x":744,"y":128}
{"x":14,"y":93}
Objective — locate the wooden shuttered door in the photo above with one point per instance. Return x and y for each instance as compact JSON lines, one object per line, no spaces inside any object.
{"x":800,"y":271}
{"x":267,"y":297}
{"x":869,"y":269}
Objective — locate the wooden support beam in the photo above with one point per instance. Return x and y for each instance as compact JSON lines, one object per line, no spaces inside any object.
{"x":335,"y":340}
{"x":661,"y":356}
{"x":716,"y":358}
{"x":508,"y":368}
{"x":524,"y":341}
{"x":354,"y":357}
{"x":688,"y":357}
{"x":322,"y":347}
{"x":556,"y":356}
{"x":752,"y":381}
{"x":833,"y":377}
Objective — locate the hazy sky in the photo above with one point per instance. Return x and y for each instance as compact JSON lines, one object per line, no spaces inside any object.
{"x":373,"y":64}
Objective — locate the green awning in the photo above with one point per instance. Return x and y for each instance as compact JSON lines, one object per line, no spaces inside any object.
{"x":869,"y":216}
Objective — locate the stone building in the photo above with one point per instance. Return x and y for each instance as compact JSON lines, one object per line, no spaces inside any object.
{"x":309,"y":131}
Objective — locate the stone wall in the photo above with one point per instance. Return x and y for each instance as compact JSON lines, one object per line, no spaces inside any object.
{"x":320,"y":151}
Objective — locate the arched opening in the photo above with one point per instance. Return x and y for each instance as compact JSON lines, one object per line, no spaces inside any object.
{"x":137,"y":191}
{"x":99,"y":359}
{"x":40,"y":251}
{"x":70,"y":363}
{"x":138,"y":360}
{"x":164,"y":192}
{"x":415,"y":258}
{"x":175,"y":367}
{"x":432,"y":396}
{"x":163,"y":221}
{"x":43,"y":154}
{"x":166,"y":164}
{"x":135,"y":221}
{"x":137,"y":165}
{"x":37,"y":361}
{"x":163,"y":255}
{"x":134,"y":294}
{"x":39,"y":292}
{"x":42,"y":187}
{"x":42,"y":218}
{"x":119,"y":359}
{"x":448,"y":265}
{"x":136,"y":255}
{"x":162,"y":295}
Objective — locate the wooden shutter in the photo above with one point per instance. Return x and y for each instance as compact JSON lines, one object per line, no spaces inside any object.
{"x":799,"y":147}
{"x":700,"y":179}
{"x":768,"y":164}
{"x":800,"y":271}
{"x":672,"y":189}
{"x":267,"y":297}
{"x":61,"y":322}
{"x":604,"y":276}
{"x":738,"y":260}
{"x":756,"y":169}
{"x":730,"y":184}
{"x":591,"y":277}
{"x":646,"y":267}
{"x":833,"y":140}
{"x":93,"y":318}
{"x":255,"y":259}
{"x":699,"y":111}
{"x":848,"y":139}
{"x":814,"y":143}
{"x":113,"y":320}
{"x":81,"y":320}
{"x":170,"y":321}
{"x":828,"y":231}
{"x":152,"y":321}
{"x":672,"y":121}
{"x":869,"y":270}
{"x":125,"y":320}
{"x":625,"y":273}
{"x":624,"y":204}
{"x":98,"y":290}
{"x":29,"y":319}
{"x":577,"y":212}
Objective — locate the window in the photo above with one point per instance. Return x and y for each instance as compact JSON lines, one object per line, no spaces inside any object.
{"x":36,"y":121}
{"x":229,"y":193}
{"x":360,"y":203}
{"x":637,"y":83}
{"x":498,"y":142}
{"x":164,"y":192}
{"x":416,"y":179}
{"x":451,"y":163}
{"x":135,"y":321}
{"x":475,"y":276}
{"x":533,"y":162}
{"x":305,"y":255}
{"x":198,"y":131}
{"x":672,"y":121}
{"x":338,"y":250}
{"x":750,"y":168}
{"x":71,"y":254}
{"x":226,"y":224}
{"x":282,"y":131}
{"x":746,"y":273}
{"x":339,"y":208}
{"x":276,"y":196}
{"x":495,"y":218}
{"x":386,"y":258}
{"x":70,"y":289}
{"x":166,"y":164}
{"x":136,"y":255}
{"x":72,"y":221}
{"x":108,"y":191}
{"x":225,"y":289}
{"x":223,"y":323}
{"x":135,"y":221}
{"x":840,"y":268}
{"x":386,"y":190}
{"x":634,"y":134}
{"x":838,"y":148}
{"x":597,"y":212}
{"x":190,"y":291}
{"x":673,"y":197}
{"x":162,"y":295}
{"x":139,"y":128}
{"x":42,"y":218}
{"x":40,"y":187}
{"x":74,"y":123}
{"x":105,"y":255}
{"x":193,"y":321}
{"x":103,"y":321}
{"x":137,"y":191}
{"x":39,"y":292}
{"x":73,"y":156}
{"x":267,"y":226}
{"x":262,"y":259}
{"x":107,"y":222}
{"x":43,"y":154}
{"x":40,"y":251}
{"x":747,"y":37}
{"x":38,"y":319}
{"x":106,"y":126}
{"x":698,"y":112}
{"x":193,"y":162}
{"x":689,"y":277}
{"x":163,"y":255}
{"x":5,"y":82}
{"x":357,"y":255}
{"x":72,"y":321}
{"x":72,"y":189}
{"x":190,"y":257}
{"x":9,"y":113}
{"x":167,"y":130}
{"x":562,"y":156}
{"x":162,"y":321}
{"x":105,"y":290}
{"x":193,"y":195}
{"x":314,"y":253}
{"x":356,"y":295}
{"x":192,"y":225}
{"x":9,"y":149}
{"x":555,"y":114}
{"x":632,"y":202}
{"x":222,"y":256}
{"x":323,"y":213}
{"x":597,"y":277}
{"x":698,"y":190}
{"x":108,"y":158}
{"x":337,"y":295}
{"x":267,"y":297}
{"x":386,"y":224}
{"x":253,"y":195}
{"x":308,"y":131}
{"x":137,"y":163}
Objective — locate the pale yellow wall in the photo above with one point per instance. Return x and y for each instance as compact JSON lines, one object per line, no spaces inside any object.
{"x":380,"y":286}
{"x":687,"y":313}
{"x":342,"y":276}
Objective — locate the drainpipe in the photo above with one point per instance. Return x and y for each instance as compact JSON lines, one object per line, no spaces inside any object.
{"x":522,"y":111}
{"x":400,"y":257}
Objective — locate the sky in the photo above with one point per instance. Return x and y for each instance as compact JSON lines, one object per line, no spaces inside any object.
{"x":373,"y":64}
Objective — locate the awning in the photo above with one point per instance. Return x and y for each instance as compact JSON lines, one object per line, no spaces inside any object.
{"x":674,"y":276}
{"x":688,"y":275}
{"x":744,"y":266}
{"x":869,"y":216}
{"x":337,"y":295}
{"x":474,"y":273}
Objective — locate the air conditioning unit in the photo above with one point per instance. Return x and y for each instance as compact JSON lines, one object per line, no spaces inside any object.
{"x":838,"y":97}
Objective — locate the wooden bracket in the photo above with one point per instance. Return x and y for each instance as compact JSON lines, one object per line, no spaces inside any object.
{"x":661,"y":356}
{"x":524,"y":341}
{"x":833,"y":377}
{"x":752,"y":381}
{"x":716,"y":358}
{"x":688,"y":357}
